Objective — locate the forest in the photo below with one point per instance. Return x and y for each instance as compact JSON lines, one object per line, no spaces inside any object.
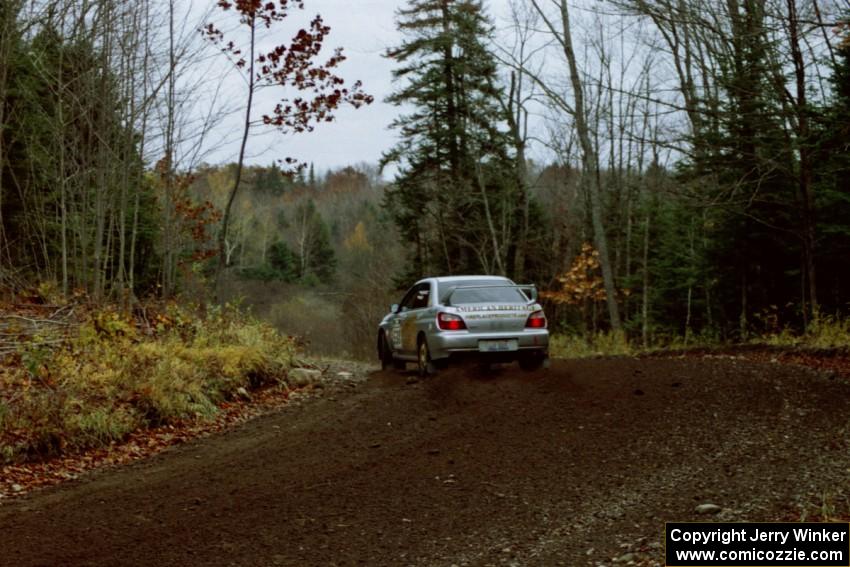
{"x":666,"y":171}
{"x":207,"y":208}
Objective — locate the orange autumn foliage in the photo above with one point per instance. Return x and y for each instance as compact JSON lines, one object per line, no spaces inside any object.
{"x":582,"y":282}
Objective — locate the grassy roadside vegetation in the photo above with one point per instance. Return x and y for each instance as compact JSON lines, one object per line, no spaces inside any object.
{"x":822,"y":334}
{"x":89,"y":380}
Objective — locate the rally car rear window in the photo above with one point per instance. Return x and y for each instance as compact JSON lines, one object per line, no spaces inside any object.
{"x":490,"y":292}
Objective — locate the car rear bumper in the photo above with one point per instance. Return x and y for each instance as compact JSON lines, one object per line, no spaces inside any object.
{"x":451,"y":343}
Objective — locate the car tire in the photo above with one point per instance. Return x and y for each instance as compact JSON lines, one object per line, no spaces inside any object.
{"x":424,"y":364}
{"x":385,"y":353}
{"x":532,"y":362}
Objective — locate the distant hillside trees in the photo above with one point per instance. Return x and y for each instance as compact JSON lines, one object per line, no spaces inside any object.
{"x":290,"y":229}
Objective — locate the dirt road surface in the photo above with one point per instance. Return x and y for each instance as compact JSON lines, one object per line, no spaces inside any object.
{"x":580,"y":465}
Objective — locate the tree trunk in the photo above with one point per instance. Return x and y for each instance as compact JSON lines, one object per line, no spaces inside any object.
{"x":222,"y":237}
{"x":494,"y":239}
{"x":6,"y":46}
{"x":644,"y":311}
{"x":515,"y":114}
{"x":63,"y":176}
{"x":169,"y":220}
{"x":142,"y":144}
{"x":806,"y":191}
{"x":588,"y":177}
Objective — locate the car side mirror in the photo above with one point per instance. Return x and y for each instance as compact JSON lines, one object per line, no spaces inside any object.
{"x":394,"y":308}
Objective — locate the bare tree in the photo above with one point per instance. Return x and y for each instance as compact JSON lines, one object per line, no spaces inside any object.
{"x":284,"y":67}
{"x":560,"y":29}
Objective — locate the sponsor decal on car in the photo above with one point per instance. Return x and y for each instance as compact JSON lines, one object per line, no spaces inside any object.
{"x":493,"y":316}
{"x":468,"y":309}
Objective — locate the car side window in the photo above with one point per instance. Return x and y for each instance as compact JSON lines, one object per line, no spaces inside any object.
{"x":421,"y":297}
{"x":407,"y":302}
{"x":416,"y":298}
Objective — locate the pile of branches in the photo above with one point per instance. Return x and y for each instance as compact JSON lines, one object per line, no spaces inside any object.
{"x":35,"y":325}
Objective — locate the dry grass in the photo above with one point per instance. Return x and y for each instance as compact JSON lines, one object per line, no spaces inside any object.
{"x":825,"y":333}
{"x":113,"y":375}
{"x":599,"y":344}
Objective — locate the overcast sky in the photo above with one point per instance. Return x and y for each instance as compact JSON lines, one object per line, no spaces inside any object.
{"x":364,"y":29}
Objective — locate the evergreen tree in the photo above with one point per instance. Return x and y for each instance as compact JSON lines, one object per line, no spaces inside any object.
{"x":744,"y":168}
{"x":69,"y":166}
{"x":316,"y":254}
{"x":322,"y":262}
{"x":833,"y":184}
{"x":284,"y":262}
{"x":454,"y":169}
{"x":271,"y":180}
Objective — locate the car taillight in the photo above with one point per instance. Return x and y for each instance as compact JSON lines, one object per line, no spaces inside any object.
{"x":536,"y":320}
{"x":450,"y":322}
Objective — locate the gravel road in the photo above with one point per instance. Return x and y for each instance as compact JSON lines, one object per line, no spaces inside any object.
{"x":578,"y":465}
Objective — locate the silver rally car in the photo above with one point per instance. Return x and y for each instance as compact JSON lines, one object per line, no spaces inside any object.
{"x":488,"y":317}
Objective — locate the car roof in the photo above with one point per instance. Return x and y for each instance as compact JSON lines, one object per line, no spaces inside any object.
{"x":449,"y":279}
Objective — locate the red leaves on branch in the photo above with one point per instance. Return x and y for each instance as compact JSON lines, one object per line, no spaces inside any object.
{"x":266,"y":13}
{"x":843,"y":29}
{"x":194,"y":219}
{"x":292,"y":66}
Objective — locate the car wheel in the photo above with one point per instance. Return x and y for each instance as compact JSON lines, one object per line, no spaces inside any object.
{"x":532,"y":362}
{"x":385,"y":353}
{"x":423,"y":359}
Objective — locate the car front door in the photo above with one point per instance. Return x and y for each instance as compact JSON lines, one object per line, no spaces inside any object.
{"x":406,"y":327}
{"x":398,"y":318}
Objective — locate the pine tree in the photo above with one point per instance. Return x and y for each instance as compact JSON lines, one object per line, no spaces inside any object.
{"x":322,"y":262}
{"x":454,"y":170}
{"x":284,"y":262}
{"x":746,"y":165}
{"x":271,"y":180}
{"x":315,"y":252}
{"x":833,"y":183}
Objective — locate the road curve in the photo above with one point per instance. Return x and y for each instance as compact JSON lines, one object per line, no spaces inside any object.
{"x":577,"y":465}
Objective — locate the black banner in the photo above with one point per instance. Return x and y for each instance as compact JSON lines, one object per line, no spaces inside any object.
{"x":697,"y":544}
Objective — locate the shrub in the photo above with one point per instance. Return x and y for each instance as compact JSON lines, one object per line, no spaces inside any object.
{"x":601,"y":344}
{"x":99,"y":426}
{"x":116,"y":374}
{"x":824,"y":332}
{"x":828,"y":332}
